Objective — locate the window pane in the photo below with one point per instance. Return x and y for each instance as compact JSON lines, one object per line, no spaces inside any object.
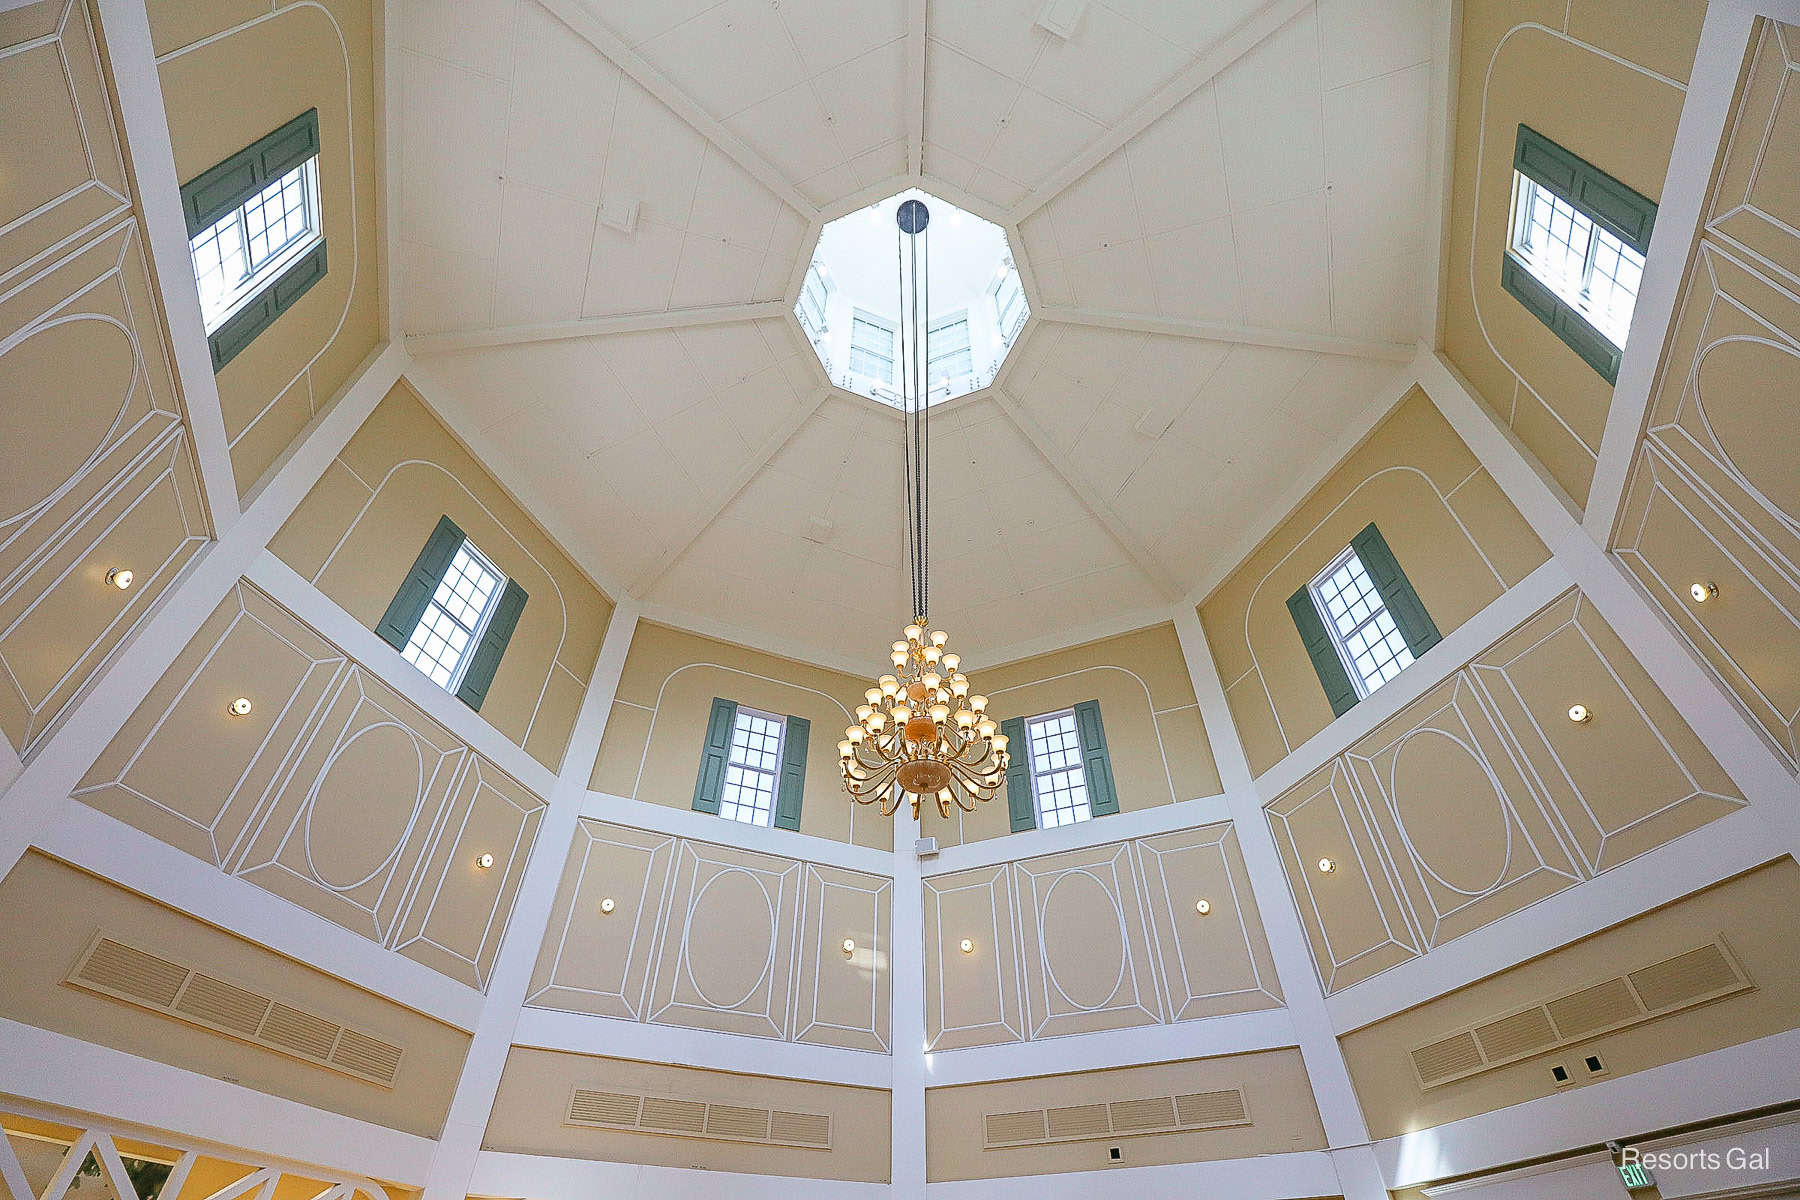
{"x":1359,"y":623}
{"x":1587,"y":267}
{"x":751,"y":768}
{"x":246,"y":249}
{"x":450,"y":627}
{"x":1058,"y":779}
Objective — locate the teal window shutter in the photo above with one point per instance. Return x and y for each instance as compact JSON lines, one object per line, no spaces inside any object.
{"x":1096,"y":763}
{"x":792,"y":783}
{"x":1618,"y":209}
{"x":260,"y":313}
{"x":1020,"y":806}
{"x":714,"y":755}
{"x":402,"y":616}
{"x":486,"y":658}
{"x":1410,"y":617}
{"x":1310,"y":623}
{"x":219,"y":189}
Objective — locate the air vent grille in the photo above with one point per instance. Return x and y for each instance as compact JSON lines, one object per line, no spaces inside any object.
{"x":683,"y":1117}
{"x":124,"y":972}
{"x":1693,"y":977}
{"x":1119,"y":1118}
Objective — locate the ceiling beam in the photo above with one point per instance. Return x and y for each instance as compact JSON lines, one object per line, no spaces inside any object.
{"x":1440,"y":125}
{"x":915,"y":87}
{"x":576,"y":16}
{"x":1198,"y":73}
{"x":420,"y":344}
{"x":750,"y":470}
{"x":1089,"y":495}
{"x":1216,"y":331}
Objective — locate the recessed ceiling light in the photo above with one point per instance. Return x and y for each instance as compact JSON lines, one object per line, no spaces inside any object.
{"x":1579,"y":713}
{"x":968,"y":945}
{"x":849,"y":947}
{"x":1702,"y":592}
{"x":484,"y":860}
{"x":607,"y":905}
{"x":1203,"y":907}
{"x":120,"y":577}
{"x":1327,"y":865}
{"x":240,"y":707}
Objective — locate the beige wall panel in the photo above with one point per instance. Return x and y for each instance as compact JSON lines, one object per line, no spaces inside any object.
{"x":1622,"y":67}
{"x":1086,"y":960}
{"x":725,"y":955}
{"x":1278,"y":1101}
{"x":721,"y":932}
{"x":1215,"y":962}
{"x":1483,"y":797}
{"x":1355,"y":921}
{"x":276,"y":65}
{"x":651,"y":751}
{"x":532,"y":1105}
{"x":101,"y":474}
{"x":52,"y":912}
{"x":361,"y":528}
{"x":1160,"y":754}
{"x":1409,"y":478}
{"x":1379,"y":1055}
{"x":592,"y":960}
{"x":974,"y":998}
{"x":334,"y":792}
{"x":1712,"y":494}
{"x":843,"y":999}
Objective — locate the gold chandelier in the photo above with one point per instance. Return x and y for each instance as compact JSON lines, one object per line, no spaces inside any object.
{"x":921,"y":733}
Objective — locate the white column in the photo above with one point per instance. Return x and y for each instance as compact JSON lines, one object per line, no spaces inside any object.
{"x":1345,"y":1130}
{"x":906,"y":970}
{"x":453,"y":1162}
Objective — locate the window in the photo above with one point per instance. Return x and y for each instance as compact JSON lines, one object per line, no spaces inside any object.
{"x":871,"y":347}
{"x":243,"y":251}
{"x":454,"y":614}
{"x":444,"y":639}
{"x":1060,"y":772}
{"x":1584,"y":264}
{"x":751,"y":768}
{"x":1009,"y":302}
{"x":1361,"y":627}
{"x":1575,"y":248}
{"x":815,"y":297}
{"x":1057,"y":779}
{"x":1360,"y":621}
{"x":256,"y":234}
{"x":950,"y":358}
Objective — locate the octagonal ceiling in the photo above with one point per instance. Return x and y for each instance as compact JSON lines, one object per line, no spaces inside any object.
{"x":1221,"y":213}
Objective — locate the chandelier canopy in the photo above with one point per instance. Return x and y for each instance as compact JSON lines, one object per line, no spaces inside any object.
{"x":921,"y":733}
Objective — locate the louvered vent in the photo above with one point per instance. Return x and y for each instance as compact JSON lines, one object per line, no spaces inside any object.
{"x":1119,"y":1118}
{"x":123,"y":972}
{"x":1694,"y":977}
{"x":678,"y":1117}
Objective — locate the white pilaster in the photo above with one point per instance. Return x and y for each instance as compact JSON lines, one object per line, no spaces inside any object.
{"x":453,"y":1160}
{"x":906,"y":967}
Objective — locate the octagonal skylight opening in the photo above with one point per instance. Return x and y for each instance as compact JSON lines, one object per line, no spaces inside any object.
{"x":849,"y":303}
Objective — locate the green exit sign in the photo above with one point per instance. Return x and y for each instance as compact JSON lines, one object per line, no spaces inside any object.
{"x":1636,"y":1176}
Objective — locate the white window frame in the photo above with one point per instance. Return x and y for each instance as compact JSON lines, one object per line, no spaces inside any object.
{"x":863,"y":316}
{"x":730,"y":808}
{"x":813,"y":316}
{"x":257,"y":276}
{"x":1007,"y":287}
{"x":414,"y":648}
{"x":965,"y":352}
{"x":1575,"y":289}
{"x":1056,"y":815}
{"x":1340,"y":638}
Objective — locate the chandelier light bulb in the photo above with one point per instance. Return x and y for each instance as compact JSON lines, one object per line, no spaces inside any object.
{"x":978,"y":703}
{"x":873,"y":695}
{"x":986,"y":727}
{"x":965,"y":719}
{"x":939,"y":637}
{"x":951,"y":662}
{"x":877,"y":720}
{"x":932,"y":654}
{"x":912,"y":633}
{"x":931,"y":679}
{"x":1000,"y":741}
{"x":888,"y":685}
{"x":940,"y":713}
{"x":902,"y":713}
{"x":846,"y":749}
{"x":899,"y":658}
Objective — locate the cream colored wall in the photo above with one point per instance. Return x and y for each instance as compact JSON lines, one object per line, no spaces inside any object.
{"x":99,"y":471}
{"x":1105,"y":937}
{"x":335,"y":792}
{"x":1605,"y":79}
{"x":715,"y":937}
{"x":651,"y":751}
{"x":530,"y":1109}
{"x":1460,"y":542}
{"x":1278,"y":1099}
{"x":1485,"y":797}
{"x":1378,"y":1055}
{"x":358,"y":532}
{"x":1159,"y":750}
{"x":50,"y":912}
{"x":1713,"y":494}
{"x":231,"y":73}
